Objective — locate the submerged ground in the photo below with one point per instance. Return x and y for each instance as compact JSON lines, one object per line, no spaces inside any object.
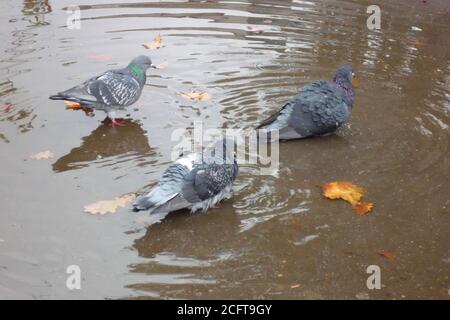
{"x":277,"y":237}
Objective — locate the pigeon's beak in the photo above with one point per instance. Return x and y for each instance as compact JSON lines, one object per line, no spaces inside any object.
{"x":153,"y":66}
{"x":355,"y":82}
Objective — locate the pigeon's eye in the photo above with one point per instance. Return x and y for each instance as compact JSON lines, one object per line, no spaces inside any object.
{"x":353,"y":74}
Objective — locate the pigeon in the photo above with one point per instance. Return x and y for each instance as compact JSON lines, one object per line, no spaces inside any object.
{"x":318,"y":109}
{"x":197,"y":181}
{"x":112,"y":90}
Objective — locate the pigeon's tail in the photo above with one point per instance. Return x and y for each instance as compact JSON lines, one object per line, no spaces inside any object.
{"x":154,"y":203}
{"x":61,"y":96}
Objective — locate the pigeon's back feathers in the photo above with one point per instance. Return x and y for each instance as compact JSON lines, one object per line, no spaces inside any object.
{"x":196,"y":181}
{"x":318,"y":109}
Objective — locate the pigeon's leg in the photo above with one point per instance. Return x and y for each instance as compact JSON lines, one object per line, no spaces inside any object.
{"x":116,"y":123}
{"x":114,"y":120}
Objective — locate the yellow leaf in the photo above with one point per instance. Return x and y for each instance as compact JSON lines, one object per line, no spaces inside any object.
{"x":42,"y":155}
{"x":109,"y":206}
{"x":343,"y":190}
{"x":363,"y":208}
{"x":195,"y":95}
{"x":156,"y":44}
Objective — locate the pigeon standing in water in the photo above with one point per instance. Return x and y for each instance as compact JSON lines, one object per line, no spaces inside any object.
{"x":196,"y":182}
{"x":112,"y":90}
{"x":319,"y":109}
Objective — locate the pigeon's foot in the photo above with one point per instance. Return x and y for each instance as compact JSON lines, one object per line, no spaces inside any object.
{"x":116,"y":123}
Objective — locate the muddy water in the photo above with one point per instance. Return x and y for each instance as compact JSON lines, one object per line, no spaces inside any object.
{"x":277,"y":237}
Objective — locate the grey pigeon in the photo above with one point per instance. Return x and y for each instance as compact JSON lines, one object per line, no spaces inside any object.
{"x":112,"y":90}
{"x":196,"y":182}
{"x":318,"y":109}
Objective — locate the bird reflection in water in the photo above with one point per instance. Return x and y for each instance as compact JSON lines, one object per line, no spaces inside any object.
{"x":104,"y":143}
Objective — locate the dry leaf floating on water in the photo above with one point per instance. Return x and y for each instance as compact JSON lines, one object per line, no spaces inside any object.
{"x":109,"y":206}
{"x":387,"y":254}
{"x":155,"y":44}
{"x":42,"y":155}
{"x":343,"y":190}
{"x":195,"y":95}
{"x":363,"y":208}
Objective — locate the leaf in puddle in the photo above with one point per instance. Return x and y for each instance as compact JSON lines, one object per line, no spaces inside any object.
{"x":420,"y":42}
{"x":109,"y":206}
{"x":387,"y":254}
{"x":73,"y":105}
{"x":7,"y":107}
{"x":42,"y":155}
{"x":195,"y":95}
{"x":156,"y":43}
{"x":343,"y":190}
{"x":101,"y":57}
{"x":163,"y":65}
{"x":363,"y":208}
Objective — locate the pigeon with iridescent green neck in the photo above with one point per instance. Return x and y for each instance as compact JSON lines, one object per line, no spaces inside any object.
{"x":112,"y":90}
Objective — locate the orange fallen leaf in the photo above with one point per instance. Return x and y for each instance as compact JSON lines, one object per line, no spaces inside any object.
{"x":363,"y":208}
{"x":387,"y":254}
{"x":73,"y":105}
{"x":42,"y":155}
{"x":109,"y":206}
{"x":356,"y":82}
{"x":195,"y":95}
{"x":343,"y":190}
{"x":101,"y":57}
{"x":156,"y":44}
{"x":420,"y":43}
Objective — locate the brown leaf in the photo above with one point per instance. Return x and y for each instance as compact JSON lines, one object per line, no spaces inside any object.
{"x":343,"y":190}
{"x":195,"y":95}
{"x":387,"y":254}
{"x":101,"y":57}
{"x":42,"y":155}
{"x":420,"y":42}
{"x":155,"y":44}
{"x":109,"y":206}
{"x":363,"y":208}
{"x":73,"y":105}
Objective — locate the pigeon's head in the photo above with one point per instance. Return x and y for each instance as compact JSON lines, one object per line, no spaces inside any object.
{"x":344,"y":74}
{"x":144,"y":62}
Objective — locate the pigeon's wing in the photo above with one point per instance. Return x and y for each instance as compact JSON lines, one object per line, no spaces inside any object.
{"x":113,"y":88}
{"x":207,"y":180}
{"x":276,"y":119}
{"x":320,"y":108}
{"x":168,"y":189}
